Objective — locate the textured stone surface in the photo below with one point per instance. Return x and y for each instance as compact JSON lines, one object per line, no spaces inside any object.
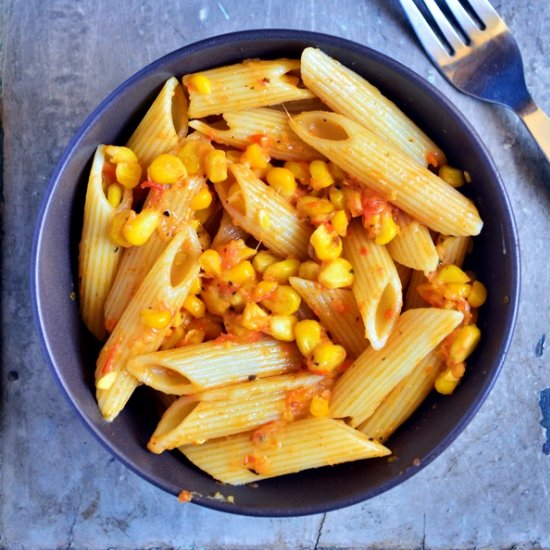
{"x":60,"y":489}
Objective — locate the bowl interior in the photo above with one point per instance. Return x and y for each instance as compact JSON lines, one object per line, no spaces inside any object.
{"x":72,"y":351}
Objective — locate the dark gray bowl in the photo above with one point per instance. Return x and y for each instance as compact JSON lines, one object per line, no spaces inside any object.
{"x":71,"y":351}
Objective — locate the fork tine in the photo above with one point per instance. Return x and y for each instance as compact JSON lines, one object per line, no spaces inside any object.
{"x":469,"y":26}
{"x":429,"y":40}
{"x":486,"y":13}
{"x":446,"y":28}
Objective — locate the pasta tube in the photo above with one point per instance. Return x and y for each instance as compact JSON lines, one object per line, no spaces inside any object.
{"x":403,"y":400}
{"x":376,"y":285}
{"x":299,"y":445}
{"x":162,"y":291}
{"x":98,"y":257}
{"x":164,"y":124}
{"x":191,"y":369}
{"x":337,"y":310}
{"x":266,"y":215}
{"x":269,"y":125}
{"x":413,"y":246}
{"x":380,"y":166}
{"x":137,"y":260}
{"x":252,"y":83}
{"x":349,"y":94}
{"x":372,"y":376}
{"x":189,"y":421}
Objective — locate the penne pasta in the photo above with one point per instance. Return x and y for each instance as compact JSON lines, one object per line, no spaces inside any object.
{"x":194,"y":419}
{"x":260,"y":285}
{"x":413,"y":246}
{"x":252,"y":83}
{"x":99,"y":257}
{"x":349,"y":94}
{"x":268,"y":126}
{"x":227,"y":231}
{"x":137,"y":261}
{"x":403,"y":400}
{"x":376,"y":286}
{"x":163,"y":289}
{"x":164,"y":124}
{"x":361,"y":389}
{"x":337,"y":310}
{"x":380,"y":166}
{"x":263,"y":213}
{"x":299,"y":445}
{"x":222,"y":362}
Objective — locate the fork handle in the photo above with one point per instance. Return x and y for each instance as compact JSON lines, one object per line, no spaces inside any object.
{"x":538,"y":124}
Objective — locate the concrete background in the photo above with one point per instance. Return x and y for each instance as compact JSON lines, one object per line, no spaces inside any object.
{"x":60,"y":489}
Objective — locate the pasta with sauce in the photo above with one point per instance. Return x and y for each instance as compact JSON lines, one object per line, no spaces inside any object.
{"x":258,"y":287}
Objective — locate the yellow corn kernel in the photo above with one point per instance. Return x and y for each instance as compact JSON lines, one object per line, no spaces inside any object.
{"x":456,"y":291}
{"x":115,"y":230}
{"x":255,"y":156}
{"x":282,"y":270}
{"x":234,"y":251}
{"x":195,"y":306}
{"x":320,"y":174}
{"x":308,"y":335}
{"x":254,"y":317}
{"x":107,"y":380}
{"x":211,"y":263}
{"x":140,"y":227}
{"x":453,"y":176}
{"x":337,"y":197}
{"x":204,"y":215}
{"x":199,"y":83}
{"x":263,"y":260}
{"x":326,"y":358}
{"x":283,"y":301}
{"x":340,"y":222}
{"x":283,"y":181}
{"x":215,"y":165}
{"x":446,"y":382}
{"x":156,"y":318}
{"x":264,"y":219}
{"x":202,"y":200}
{"x":281,"y":327}
{"x":215,"y":304}
{"x":336,"y":172}
{"x":196,"y":286}
{"x":114,"y":195}
{"x":128,"y":174}
{"x":478,"y":294}
{"x":309,"y":270}
{"x":451,"y":274}
{"x":326,"y":243}
{"x":240,"y":274}
{"x":119,"y":153}
{"x":388,"y":229}
{"x":191,"y":157}
{"x":263,"y":290}
{"x":464,"y":343}
{"x":319,"y":406}
{"x":193,"y":336}
{"x":166,"y":169}
{"x":337,"y":273}
{"x":300,"y":169}
{"x":316,"y":209}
